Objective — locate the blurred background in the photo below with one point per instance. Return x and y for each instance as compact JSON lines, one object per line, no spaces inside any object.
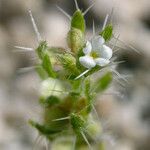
{"x":126,"y":113}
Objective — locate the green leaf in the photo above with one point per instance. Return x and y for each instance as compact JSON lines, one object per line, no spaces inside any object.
{"x":77,"y":86}
{"x":42,"y":73}
{"x":43,"y":129}
{"x":107,"y":32}
{"x":88,"y":94}
{"x":103,"y":82}
{"x":56,"y":50}
{"x":49,"y":101}
{"x":48,"y":66}
{"x":55,"y":112}
{"x":87,"y":87}
{"x":93,"y":70}
{"x":78,"y":21}
{"x":42,"y":49}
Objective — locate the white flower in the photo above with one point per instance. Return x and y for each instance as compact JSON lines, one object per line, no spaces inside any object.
{"x":96,"y":53}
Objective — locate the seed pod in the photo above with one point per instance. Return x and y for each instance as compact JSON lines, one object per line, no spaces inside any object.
{"x":69,"y":63}
{"x":77,"y":123}
{"x":94,"y":129}
{"x":75,"y":40}
{"x":75,"y":36}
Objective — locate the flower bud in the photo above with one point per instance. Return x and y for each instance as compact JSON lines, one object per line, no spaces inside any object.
{"x":75,"y":40}
{"x":94,"y":129}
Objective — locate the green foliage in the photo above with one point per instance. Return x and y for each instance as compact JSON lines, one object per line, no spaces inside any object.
{"x":77,"y":123}
{"x":43,"y":129}
{"x":67,"y":105}
{"x":103,"y":83}
{"x":88,"y":94}
{"x":41,"y":72}
{"x":49,"y":101}
{"x":75,"y":38}
{"x":87,"y":87}
{"x":77,"y":85}
{"x":42,"y":48}
{"x":107,"y":32}
{"x":78,"y":21}
{"x":54,"y":112}
{"x":48,"y":66}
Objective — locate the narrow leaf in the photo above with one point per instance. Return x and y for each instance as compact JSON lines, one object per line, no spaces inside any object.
{"x":41,"y":72}
{"x":48,"y":66}
{"x":41,"y":49}
{"x":49,"y":101}
{"x":78,"y":21}
{"x":88,"y":95}
{"x":107,"y":32}
{"x":43,"y":129}
{"x":87,"y":88}
{"x":104,"y":82}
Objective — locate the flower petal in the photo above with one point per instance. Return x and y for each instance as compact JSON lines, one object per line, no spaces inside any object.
{"x":87,"y":61}
{"x":102,"y":62}
{"x":106,"y":52}
{"x":97,"y":42}
{"x":87,"y":48}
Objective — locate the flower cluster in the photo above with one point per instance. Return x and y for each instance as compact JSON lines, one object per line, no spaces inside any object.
{"x":69,"y":72}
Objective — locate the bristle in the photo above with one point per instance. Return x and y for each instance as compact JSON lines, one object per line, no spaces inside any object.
{"x":115,"y":43}
{"x":53,"y":88}
{"x":128,"y":45}
{"x":47,"y":144}
{"x":35,"y":27}
{"x":82,"y":74}
{"x":111,"y":15}
{"x":26,"y":69}
{"x":119,"y":75}
{"x":59,"y":119}
{"x":23,"y":49}
{"x":87,"y":10}
{"x":61,"y":10}
{"x":74,"y":143}
{"x":117,"y":62}
{"x":118,"y":94}
{"x":83,"y":135}
{"x":119,"y":82}
{"x":105,"y":22}
{"x":95,"y":111}
{"x":76,"y":4}
{"x":36,"y":142}
{"x":94,"y":32}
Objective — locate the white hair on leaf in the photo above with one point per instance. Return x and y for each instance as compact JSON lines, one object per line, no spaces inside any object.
{"x":76,"y":4}
{"x":23,"y":49}
{"x":35,"y":27}
{"x":66,"y":14}
{"x":87,"y":10}
{"x":82,"y":74}
{"x":105,"y":22}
